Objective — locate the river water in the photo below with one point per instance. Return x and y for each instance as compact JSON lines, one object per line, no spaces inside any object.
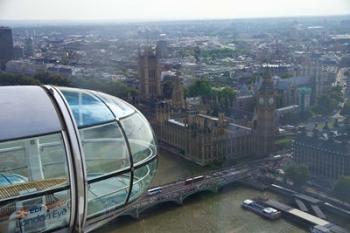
{"x":201,"y":213}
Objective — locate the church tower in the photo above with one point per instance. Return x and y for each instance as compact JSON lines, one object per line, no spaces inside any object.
{"x":177,"y":95}
{"x":264,"y":125}
{"x":149,"y":72}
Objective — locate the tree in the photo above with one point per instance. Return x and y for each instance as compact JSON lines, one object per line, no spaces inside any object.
{"x":52,"y":79}
{"x":346,"y":108}
{"x":38,"y":79}
{"x":336,"y":93}
{"x":116,"y":88}
{"x":342,"y":189}
{"x":329,"y":102}
{"x":223,"y":99}
{"x":298,"y":174}
{"x":345,"y":61}
{"x":286,"y":75}
{"x":347,"y":125}
{"x":112,"y":87}
{"x":199,"y":88}
{"x":218,"y":53}
{"x":168,"y":87}
{"x":325,"y":105}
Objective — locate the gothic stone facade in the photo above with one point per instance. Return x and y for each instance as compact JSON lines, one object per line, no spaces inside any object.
{"x":204,"y":139}
{"x":149,"y":74}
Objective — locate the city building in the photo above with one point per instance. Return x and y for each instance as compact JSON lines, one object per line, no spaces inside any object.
{"x":206,"y":139}
{"x":311,"y":83}
{"x":321,"y":78}
{"x":6,"y":46}
{"x":287,"y":89}
{"x":29,"y":67}
{"x":25,"y":67}
{"x":201,"y":138}
{"x":265,"y":120}
{"x":177,"y":95}
{"x":149,"y":74}
{"x":162,"y":49}
{"x":28,"y":47}
{"x":325,"y":153}
{"x":304,"y":98}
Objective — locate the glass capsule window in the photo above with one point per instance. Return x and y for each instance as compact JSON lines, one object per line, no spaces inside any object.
{"x":115,"y":138}
{"x":75,"y":157}
{"x":30,"y":167}
{"x":140,"y":138}
{"x":87,"y":109}
{"x":142,"y":179}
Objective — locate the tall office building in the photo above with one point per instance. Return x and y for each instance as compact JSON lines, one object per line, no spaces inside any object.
{"x":6,"y":46}
{"x":28,"y":47}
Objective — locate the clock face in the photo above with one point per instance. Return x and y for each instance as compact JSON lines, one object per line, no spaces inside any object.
{"x":271,"y":100}
{"x":261,"y":100}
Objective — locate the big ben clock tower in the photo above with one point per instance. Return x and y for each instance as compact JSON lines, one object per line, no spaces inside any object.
{"x":264,"y":126}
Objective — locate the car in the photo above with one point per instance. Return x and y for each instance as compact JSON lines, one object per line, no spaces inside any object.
{"x":154,"y":191}
{"x":194,"y":179}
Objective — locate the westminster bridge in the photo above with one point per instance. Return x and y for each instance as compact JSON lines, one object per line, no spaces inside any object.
{"x":178,"y":191}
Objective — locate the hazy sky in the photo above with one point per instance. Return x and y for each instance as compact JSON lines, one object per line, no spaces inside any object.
{"x":166,"y":9}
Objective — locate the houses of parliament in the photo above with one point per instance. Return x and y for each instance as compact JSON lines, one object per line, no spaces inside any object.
{"x":192,"y":133}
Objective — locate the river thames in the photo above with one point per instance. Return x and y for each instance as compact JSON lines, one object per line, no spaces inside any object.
{"x":200,"y":213}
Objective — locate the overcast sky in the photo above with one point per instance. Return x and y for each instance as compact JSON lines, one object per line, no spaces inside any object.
{"x":166,"y":9}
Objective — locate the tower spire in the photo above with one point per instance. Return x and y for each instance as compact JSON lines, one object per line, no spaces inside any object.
{"x":265,"y":119}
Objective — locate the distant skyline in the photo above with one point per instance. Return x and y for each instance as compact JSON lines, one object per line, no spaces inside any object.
{"x":138,"y":10}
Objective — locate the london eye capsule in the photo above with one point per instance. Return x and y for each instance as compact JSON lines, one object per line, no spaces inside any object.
{"x":70,"y":159}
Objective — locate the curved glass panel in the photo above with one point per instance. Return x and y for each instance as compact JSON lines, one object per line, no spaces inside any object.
{"x":119,"y":107}
{"x":87,"y":109}
{"x":27,"y":167}
{"x":108,"y":194}
{"x":140,"y":137}
{"x":104,"y":148}
{"x":105,"y":151}
{"x":142,"y":179}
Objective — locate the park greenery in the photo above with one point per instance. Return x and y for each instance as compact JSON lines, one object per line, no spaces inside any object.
{"x":168,"y":87}
{"x":220,"y":99}
{"x":347,"y":73}
{"x":286,"y":75}
{"x":346,"y":108}
{"x":342,"y":189}
{"x":199,"y":88}
{"x":329,"y":102}
{"x":297,"y":174}
{"x":284,"y":141}
{"x":7,"y":79}
{"x":296,"y":117}
{"x":218,"y":53}
{"x":112,"y":87}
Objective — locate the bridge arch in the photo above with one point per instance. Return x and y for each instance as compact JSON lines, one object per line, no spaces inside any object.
{"x":135,"y":213}
{"x":213,"y":189}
